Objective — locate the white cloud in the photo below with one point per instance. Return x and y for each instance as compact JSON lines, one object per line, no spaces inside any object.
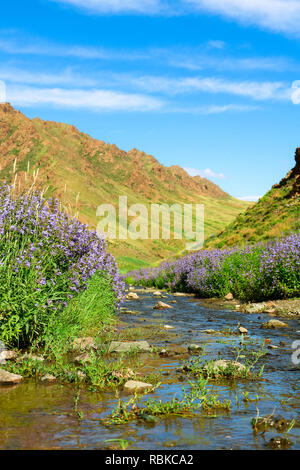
{"x":207,"y":173}
{"x":193,"y":61}
{"x":38,"y":47}
{"x":295,"y":92}
{"x":94,"y":99}
{"x":190,"y":59}
{"x":212,"y":109}
{"x":249,"y":198}
{"x":65,"y":77}
{"x":251,"y":89}
{"x":116,"y":6}
{"x":275,"y":15}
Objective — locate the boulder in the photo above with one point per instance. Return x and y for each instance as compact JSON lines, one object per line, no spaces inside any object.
{"x":133,"y":386}
{"x":7,"y":378}
{"x":229,"y":296}
{"x":274,"y":324}
{"x":130,"y":312}
{"x":211,"y":332}
{"x":255,"y":308}
{"x":194,"y":348}
{"x":132,"y":296}
{"x":161,"y":306}
{"x":119,"y":346}
{"x":7,"y":356}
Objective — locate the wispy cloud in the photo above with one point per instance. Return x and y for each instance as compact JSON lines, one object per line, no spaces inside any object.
{"x":207,"y":173}
{"x":275,"y":15}
{"x":116,"y":6}
{"x":195,"y":61}
{"x":211,"y":109}
{"x":255,"y":90}
{"x":64,"y":77}
{"x":203,"y":57}
{"x":248,"y":198}
{"x":42,"y":48}
{"x":98,"y":100}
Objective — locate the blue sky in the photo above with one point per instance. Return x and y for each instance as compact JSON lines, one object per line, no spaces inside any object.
{"x":210,"y":85}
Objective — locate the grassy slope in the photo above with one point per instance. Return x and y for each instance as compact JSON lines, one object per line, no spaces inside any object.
{"x":275,"y":214}
{"x":71,"y":162}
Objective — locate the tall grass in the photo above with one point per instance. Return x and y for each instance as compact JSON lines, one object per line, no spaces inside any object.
{"x":47,"y":258}
{"x":86,"y":315}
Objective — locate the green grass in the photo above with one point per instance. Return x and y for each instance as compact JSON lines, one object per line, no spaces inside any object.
{"x":87,"y":315}
{"x":274,"y":215}
{"x":71,"y":163}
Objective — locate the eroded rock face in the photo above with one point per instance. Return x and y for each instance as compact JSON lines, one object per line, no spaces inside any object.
{"x":7,"y":378}
{"x":274,"y":324}
{"x":133,"y":386}
{"x":119,"y":346}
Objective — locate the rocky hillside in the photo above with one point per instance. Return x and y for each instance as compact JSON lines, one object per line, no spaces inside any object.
{"x":71,"y":163}
{"x":274,"y":215}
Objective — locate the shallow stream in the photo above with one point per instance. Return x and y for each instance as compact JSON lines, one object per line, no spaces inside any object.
{"x":37,"y":416}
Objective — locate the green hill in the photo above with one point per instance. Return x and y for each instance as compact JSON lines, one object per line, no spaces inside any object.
{"x":275,"y":214}
{"x":84,"y":172}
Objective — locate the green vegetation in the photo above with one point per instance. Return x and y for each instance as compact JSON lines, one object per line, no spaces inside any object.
{"x":255,"y":273}
{"x":275,"y":214}
{"x":73,"y":163}
{"x":199,"y":397}
{"x":230,"y":370}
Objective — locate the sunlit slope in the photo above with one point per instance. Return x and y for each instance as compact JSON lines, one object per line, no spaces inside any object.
{"x":71,"y":163}
{"x":275,"y":214}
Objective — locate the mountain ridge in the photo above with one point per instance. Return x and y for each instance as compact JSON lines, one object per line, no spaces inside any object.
{"x":71,"y":162}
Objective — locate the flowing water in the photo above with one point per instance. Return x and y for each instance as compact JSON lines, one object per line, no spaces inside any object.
{"x":37,"y":416}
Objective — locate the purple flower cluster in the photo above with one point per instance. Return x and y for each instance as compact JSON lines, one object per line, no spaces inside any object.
{"x":47,"y":257}
{"x":259,"y":272}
